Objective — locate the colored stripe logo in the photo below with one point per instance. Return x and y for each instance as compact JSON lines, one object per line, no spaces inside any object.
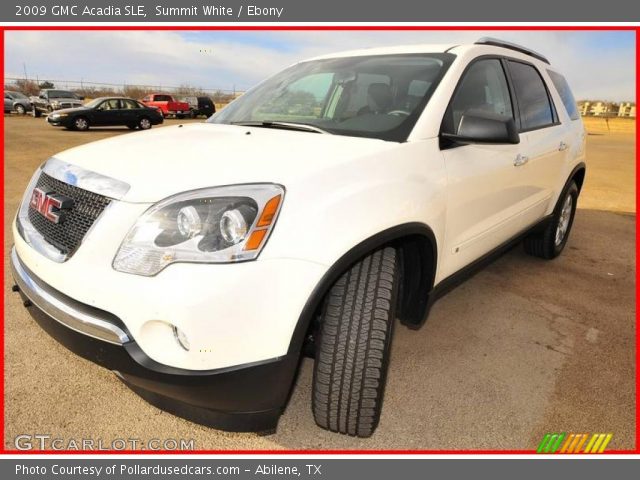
{"x":574,"y":443}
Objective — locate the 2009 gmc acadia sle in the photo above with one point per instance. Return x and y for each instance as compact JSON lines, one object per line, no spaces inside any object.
{"x":342,"y":193}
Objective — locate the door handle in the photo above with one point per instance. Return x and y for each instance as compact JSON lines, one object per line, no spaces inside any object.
{"x":562,"y":147}
{"x":520,"y":160}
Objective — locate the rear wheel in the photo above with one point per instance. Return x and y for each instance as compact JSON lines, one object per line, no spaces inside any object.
{"x":550,"y":242}
{"x":353,"y":346}
{"x":20,"y":110}
{"x":144,"y":123}
{"x":81,"y":124}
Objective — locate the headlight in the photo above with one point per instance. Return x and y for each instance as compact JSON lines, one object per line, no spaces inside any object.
{"x":55,"y":103}
{"x":211,"y":225}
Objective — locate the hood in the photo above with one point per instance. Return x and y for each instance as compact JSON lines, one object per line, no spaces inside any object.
{"x":164,"y":161}
{"x":70,"y":110}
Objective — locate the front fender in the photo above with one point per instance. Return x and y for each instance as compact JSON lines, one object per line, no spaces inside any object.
{"x":326,"y":215}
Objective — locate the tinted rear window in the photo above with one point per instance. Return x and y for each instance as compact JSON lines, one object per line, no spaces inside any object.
{"x":565,"y":94}
{"x":535,"y":106}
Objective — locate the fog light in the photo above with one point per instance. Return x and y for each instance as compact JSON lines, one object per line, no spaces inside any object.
{"x":181,"y":338}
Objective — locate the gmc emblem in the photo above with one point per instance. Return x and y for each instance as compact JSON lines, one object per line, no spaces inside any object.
{"x":51,"y":205}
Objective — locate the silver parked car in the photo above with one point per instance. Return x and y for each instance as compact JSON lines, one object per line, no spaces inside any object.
{"x":16,"y":102}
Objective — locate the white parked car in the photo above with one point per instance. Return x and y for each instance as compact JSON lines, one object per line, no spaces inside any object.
{"x":344,"y":192}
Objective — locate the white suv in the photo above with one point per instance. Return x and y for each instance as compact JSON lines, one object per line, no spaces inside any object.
{"x":342,"y":193}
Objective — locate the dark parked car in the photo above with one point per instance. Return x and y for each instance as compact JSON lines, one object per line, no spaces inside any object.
{"x":16,"y":102}
{"x":107,"y":111}
{"x":200,"y":106}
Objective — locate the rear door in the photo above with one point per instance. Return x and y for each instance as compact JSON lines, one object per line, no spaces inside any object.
{"x":484,"y":199}
{"x":131,"y":111}
{"x":545,"y":137}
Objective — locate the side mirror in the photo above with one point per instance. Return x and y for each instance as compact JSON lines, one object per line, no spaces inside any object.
{"x":485,"y":127}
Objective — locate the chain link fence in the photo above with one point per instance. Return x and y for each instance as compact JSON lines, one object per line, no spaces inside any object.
{"x":89,"y":89}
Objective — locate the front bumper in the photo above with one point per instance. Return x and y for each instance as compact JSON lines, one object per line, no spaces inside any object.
{"x":247,"y":397}
{"x":56,"y":122}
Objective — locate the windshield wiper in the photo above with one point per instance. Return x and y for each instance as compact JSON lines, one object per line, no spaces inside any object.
{"x":302,"y":127}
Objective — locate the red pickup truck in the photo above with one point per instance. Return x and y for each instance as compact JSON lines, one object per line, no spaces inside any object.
{"x":166,"y":104}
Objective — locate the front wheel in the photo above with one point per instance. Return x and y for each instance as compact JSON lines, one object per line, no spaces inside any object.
{"x":81,"y":124}
{"x":144,"y":123}
{"x":353,"y":346}
{"x":20,"y":110}
{"x":551,"y":241}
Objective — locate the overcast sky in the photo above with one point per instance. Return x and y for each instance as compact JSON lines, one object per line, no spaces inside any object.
{"x":598,"y":65}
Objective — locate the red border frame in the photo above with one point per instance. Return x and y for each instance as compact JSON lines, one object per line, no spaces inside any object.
{"x":3,"y":450}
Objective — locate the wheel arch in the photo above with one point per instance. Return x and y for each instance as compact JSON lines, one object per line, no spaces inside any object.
{"x":417,"y":248}
{"x":577,"y":175}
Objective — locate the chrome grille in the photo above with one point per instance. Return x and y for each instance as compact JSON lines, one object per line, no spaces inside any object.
{"x":68,"y":234}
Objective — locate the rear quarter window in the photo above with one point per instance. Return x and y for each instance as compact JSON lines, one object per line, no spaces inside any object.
{"x":536,"y":109}
{"x":569,"y":101}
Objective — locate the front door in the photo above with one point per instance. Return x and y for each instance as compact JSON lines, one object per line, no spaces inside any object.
{"x":485,"y":199}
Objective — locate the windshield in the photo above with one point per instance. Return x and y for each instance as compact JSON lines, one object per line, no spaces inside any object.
{"x":378,"y":96}
{"x":61,"y":94}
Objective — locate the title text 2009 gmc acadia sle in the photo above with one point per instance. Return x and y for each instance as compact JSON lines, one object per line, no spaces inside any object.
{"x":340,"y":194}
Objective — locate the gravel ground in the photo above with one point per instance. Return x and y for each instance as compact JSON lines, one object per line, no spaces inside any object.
{"x":522,"y":348}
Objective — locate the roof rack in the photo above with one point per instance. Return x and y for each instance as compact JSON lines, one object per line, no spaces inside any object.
{"x":496,"y":42}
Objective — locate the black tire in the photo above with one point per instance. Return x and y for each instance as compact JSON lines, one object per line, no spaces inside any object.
{"x":81,"y":124}
{"x":179,"y":116}
{"x":144,"y":123}
{"x":192,"y":114}
{"x":545,"y":244}
{"x":35,"y":112}
{"x":20,"y":110}
{"x":353,"y":346}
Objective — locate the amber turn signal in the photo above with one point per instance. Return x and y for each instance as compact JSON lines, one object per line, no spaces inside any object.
{"x":254,"y":241}
{"x":269,"y":212}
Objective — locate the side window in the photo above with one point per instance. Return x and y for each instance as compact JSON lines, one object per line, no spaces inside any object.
{"x":483,"y":89}
{"x":565,"y":94}
{"x":536,"y":110}
{"x":130,"y":104}
{"x":112,"y":104}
